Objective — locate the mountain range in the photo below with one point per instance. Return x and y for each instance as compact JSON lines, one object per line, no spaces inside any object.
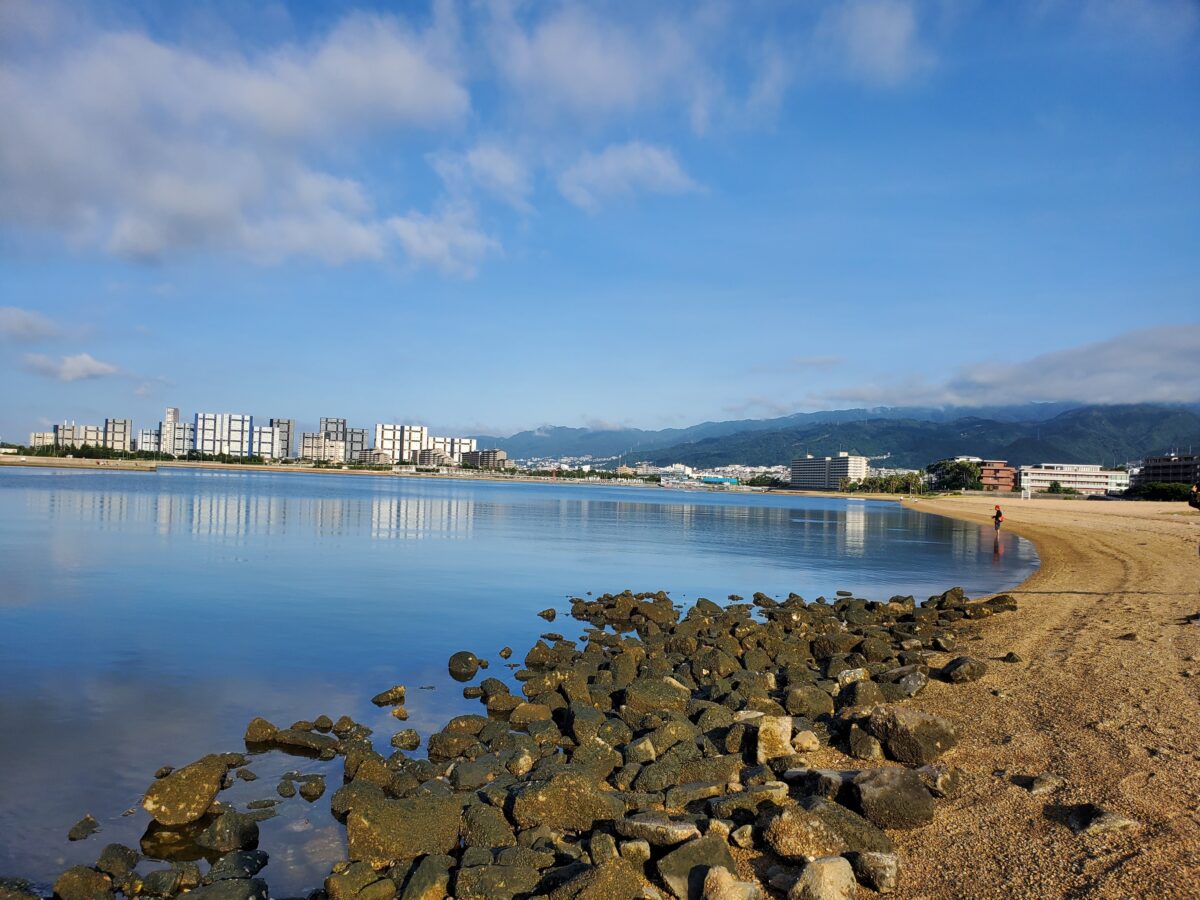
{"x":902,"y":437}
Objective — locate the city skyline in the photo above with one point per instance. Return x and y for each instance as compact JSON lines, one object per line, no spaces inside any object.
{"x":486,"y":219}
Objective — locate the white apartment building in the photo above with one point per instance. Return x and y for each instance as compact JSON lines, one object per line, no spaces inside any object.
{"x":459,"y":446}
{"x":402,"y":443}
{"x":287,"y":429}
{"x":149,"y":440}
{"x":825,"y":473}
{"x":41,"y":439}
{"x":118,"y":434}
{"x":267,"y":442}
{"x":171,"y":415}
{"x":1081,"y":478}
{"x":227,"y":434}
{"x":72,"y":435}
{"x":177,"y":438}
{"x":335,"y":428}
{"x":319,"y":446}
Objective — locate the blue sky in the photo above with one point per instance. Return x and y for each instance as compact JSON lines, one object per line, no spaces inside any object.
{"x":491,"y":216}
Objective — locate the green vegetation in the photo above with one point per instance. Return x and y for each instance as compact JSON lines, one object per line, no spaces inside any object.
{"x":911,"y":483}
{"x":767,"y":481}
{"x":1057,"y":488}
{"x":1160,"y":490}
{"x":955,"y":475}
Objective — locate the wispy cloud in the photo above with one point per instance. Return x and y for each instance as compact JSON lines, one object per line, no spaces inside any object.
{"x":80,"y":367}
{"x":25,"y":326}
{"x":1159,"y":365}
{"x":449,"y":239}
{"x":877,"y":41}
{"x":623,"y":169}
{"x":799,"y":364}
{"x":490,"y":166}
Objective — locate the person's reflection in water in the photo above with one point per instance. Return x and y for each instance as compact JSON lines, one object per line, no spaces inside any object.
{"x":997,"y":551}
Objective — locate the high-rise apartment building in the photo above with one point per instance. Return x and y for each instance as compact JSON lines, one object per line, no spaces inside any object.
{"x":41,"y":439}
{"x":267,"y":442}
{"x":335,"y":428}
{"x":72,"y":435}
{"x":149,"y":440}
{"x":224,"y":434}
{"x":287,"y":431}
{"x":178,"y":438}
{"x":170,"y":415}
{"x":320,"y":446}
{"x":118,"y":434}
{"x":401,"y":442}
{"x":459,"y":446}
{"x":825,"y":473}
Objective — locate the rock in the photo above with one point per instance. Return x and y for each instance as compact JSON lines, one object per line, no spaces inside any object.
{"x":486,"y":826}
{"x":393,"y":696}
{"x":774,"y":738}
{"x":615,"y":879}
{"x":657,"y":829}
{"x":351,"y":882}
{"x":567,"y":801}
{"x":229,"y":831}
{"x":1012,"y":657}
{"x":162,"y":882}
{"x":260,"y":731}
{"x":719,"y":884}
{"x":495,"y":882}
{"x":312,"y":788}
{"x":82,"y":883}
{"x":827,"y":878}
{"x":1046,"y":783}
{"x":684,"y":869}
{"x":940,"y":780}
{"x":864,"y":745}
{"x":652,"y":695}
{"x":798,"y":834}
{"x":463,"y":665}
{"x":505,"y":652}
{"x":408,"y":739}
{"x":548,"y":614}
{"x":239,"y":864}
{"x":384,"y":830}
{"x":305,"y":741}
{"x":894,"y":798}
{"x":84,"y":828}
{"x":430,"y":880}
{"x":808,"y":701}
{"x":910,"y":735}
{"x":285,"y":788}
{"x":117,"y":860}
{"x":878,"y":871}
{"x":742,"y":837}
{"x":186,"y":794}
{"x":231,"y":889}
{"x":806,"y":742}
{"x":962,"y":669}
{"x":1088,"y":818}
{"x":857,"y":833}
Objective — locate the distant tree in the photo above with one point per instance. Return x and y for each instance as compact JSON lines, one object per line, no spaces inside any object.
{"x":955,"y":475}
{"x":1160,"y":490}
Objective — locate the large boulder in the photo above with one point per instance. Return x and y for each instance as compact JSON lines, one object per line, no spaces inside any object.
{"x":774,"y":738}
{"x":798,"y":834}
{"x":229,"y":831}
{"x":615,"y":879}
{"x":964,"y":668}
{"x":430,"y":880}
{"x":684,"y":869}
{"x":657,"y":829}
{"x":186,"y":794}
{"x":568,"y":801}
{"x":83,"y":883}
{"x":894,"y":798}
{"x":720,"y":884}
{"x":910,"y":735}
{"x":650,"y":695}
{"x":231,"y":889}
{"x":808,"y":701}
{"x":384,"y":830}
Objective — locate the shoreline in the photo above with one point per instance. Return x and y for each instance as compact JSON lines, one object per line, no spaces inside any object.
{"x":1104,"y":698}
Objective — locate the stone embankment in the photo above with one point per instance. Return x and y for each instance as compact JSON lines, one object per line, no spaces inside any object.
{"x":666,"y":754}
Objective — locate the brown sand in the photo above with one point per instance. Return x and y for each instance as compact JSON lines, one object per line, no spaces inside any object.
{"x":1107,"y":698}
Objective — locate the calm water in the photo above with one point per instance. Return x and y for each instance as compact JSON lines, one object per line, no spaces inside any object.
{"x":145,"y":618}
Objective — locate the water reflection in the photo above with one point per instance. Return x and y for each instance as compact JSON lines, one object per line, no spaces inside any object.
{"x":145,"y":618}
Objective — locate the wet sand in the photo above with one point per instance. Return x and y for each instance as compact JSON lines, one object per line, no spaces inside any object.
{"x":1108,"y":697}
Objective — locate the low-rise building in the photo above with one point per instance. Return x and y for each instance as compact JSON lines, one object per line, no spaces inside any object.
{"x":1171,"y":468}
{"x":997,"y":475}
{"x":825,"y":473}
{"x":434,"y":456}
{"x":1083,"y":479}
{"x":487,"y":459}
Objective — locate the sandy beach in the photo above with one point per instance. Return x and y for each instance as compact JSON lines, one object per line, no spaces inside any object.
{"x":1106,"y":697}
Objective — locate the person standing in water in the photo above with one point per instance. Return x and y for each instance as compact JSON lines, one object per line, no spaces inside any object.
{"x":997,"y":518}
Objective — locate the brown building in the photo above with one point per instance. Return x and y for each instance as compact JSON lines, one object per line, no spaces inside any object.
{"x":997,"y":475}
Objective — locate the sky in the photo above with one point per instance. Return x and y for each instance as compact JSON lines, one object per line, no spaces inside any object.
{"x":486,"y":217}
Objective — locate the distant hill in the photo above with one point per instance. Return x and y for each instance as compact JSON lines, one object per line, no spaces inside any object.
{"x":1109,"y":435}
{"x":557,"y":441}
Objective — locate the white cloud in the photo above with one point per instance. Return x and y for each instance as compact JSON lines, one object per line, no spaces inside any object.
{"x":622,"y":169}
{"x":449,"y":240}
{"x":24,"y":325}
{"x":79,"y":367}
{"x":490,"y":166}
{"x":147,"y":149}
{"x":876,"y":40}
{"x":1154,"y":365}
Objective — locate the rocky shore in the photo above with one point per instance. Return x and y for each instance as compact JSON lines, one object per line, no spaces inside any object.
{"x":667,"y":753}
